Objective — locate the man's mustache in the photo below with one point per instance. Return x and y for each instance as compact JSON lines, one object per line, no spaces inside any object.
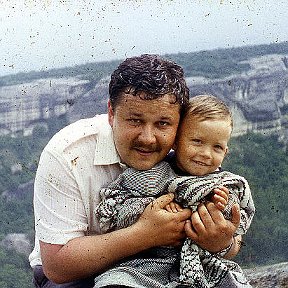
{"x":146,"y":148}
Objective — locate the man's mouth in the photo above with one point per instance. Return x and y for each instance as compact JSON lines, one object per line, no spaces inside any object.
{"x":145,"y":150}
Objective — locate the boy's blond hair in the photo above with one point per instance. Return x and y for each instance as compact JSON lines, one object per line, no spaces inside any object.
{"x":208,"y":107}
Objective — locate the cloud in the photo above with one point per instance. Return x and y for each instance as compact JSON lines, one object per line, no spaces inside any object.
{"x":39,"y":35}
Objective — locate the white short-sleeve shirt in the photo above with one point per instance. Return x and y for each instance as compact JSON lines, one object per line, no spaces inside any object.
{"x":77,"y":162}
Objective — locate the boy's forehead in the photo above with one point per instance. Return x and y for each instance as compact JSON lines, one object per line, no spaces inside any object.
{"x":201,"y":118}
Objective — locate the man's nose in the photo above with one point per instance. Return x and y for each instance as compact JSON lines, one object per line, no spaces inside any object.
{"x":147,"y":135}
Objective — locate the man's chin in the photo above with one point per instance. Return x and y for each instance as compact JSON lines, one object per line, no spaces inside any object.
{"x":142,"y":165}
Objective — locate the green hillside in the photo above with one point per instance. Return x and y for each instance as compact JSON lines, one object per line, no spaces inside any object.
{"x":264,"y":163}
{"x":261,"y":159}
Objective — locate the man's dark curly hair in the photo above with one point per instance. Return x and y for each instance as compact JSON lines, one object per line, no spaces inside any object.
{"x":149,"y":74}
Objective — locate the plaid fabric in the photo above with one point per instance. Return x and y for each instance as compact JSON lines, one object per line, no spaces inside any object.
{"x":124,"y":200}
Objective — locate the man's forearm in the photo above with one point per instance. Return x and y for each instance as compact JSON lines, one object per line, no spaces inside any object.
{"x":84,"y":256}
{"x":89,"y":255}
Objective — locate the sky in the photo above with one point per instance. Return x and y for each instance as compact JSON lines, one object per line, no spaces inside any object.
{"x":40,"y":35}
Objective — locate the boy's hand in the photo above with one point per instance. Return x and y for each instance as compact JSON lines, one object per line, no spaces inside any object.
{"x":220,"y":197}
{"x":173,"y":207}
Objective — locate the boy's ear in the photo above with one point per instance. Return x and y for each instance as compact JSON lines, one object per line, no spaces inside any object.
{"x":226,"y":151}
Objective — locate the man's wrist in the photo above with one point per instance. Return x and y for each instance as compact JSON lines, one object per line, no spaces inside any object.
{"x":226,"y":250}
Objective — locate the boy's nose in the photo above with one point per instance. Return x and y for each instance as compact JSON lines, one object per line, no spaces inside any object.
{"x":206,"y":153}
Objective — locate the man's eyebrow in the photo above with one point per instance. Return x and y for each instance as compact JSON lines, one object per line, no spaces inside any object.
{"x":135,"y":114}
{"x":166,"y":117}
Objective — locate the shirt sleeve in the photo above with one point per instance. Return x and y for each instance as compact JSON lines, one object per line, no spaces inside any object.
{"x":58,"y":207}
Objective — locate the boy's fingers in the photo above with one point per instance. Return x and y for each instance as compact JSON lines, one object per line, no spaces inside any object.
{"x":168,"y":208}
{"x":222,"y":193}
{"x":190,"y":231}
{"x":178,"y":207}
{"x":220,"y":206}
{"x":162,"y":201}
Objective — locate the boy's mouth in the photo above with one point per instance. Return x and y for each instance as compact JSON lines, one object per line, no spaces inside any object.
{"x":201,"y":163}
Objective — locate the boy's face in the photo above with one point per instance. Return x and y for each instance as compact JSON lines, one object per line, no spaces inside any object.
{"x":201,"y":145}
{"x":144,"y":130}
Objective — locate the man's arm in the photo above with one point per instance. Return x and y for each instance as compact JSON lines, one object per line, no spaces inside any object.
{"x":210,"y":230}
{"x":84,"y":256}
{"x":235,"y":248}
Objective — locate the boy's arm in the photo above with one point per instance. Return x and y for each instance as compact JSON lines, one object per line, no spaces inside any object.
{"x":88,"y":255}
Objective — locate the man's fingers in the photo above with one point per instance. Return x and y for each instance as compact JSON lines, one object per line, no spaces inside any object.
{"x":197,"y":222}
{"x":190,"y":232}
{"x":236,"y":215}
{"x":162,"y":201}
{"x":214,"y":213}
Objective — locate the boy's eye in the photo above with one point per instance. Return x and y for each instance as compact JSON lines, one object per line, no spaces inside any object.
{"x":218,"y":147}
{"x":196,"y":141}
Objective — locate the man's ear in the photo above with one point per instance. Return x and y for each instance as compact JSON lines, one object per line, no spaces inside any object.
{"x":174,"y":147}
{"x":110,"y":113}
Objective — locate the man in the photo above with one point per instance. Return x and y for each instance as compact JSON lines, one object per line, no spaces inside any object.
{"x":147,"y":96}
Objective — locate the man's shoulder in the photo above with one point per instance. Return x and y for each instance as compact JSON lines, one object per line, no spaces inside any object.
{"x":78,"y":132}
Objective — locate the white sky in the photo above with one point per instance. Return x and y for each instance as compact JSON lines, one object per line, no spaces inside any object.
{"x":40,"y":35}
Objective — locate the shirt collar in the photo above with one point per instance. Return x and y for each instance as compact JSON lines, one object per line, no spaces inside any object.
{"x":105,"y":151}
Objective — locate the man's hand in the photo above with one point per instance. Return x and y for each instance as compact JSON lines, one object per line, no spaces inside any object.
{"x":209,"y":229}
{"x":94,"y":254}
{"x":163,"y":228}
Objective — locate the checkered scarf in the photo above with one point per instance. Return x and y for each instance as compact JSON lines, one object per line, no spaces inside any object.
{"x":124,"y":200}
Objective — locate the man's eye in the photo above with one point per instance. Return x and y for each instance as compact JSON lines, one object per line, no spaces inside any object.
{"x":163,"y":123}
{"x":134,"y":121}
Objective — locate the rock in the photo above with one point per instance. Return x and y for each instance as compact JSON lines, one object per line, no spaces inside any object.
{"x":273,"y":276}
{"x":18,"y":242}
{"x":26,"y":105}
{"x":258,"y":98}
{"x":20,"y":192}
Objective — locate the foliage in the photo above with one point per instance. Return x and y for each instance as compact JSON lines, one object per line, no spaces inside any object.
{"x":15,"y":271}
{"x":15,"y":214}
{"x":90,"y":71}
{"x":19,"y":156}
{"x":224,"y":62}
{"x":263,"y":162}
{"x":16,"y":210}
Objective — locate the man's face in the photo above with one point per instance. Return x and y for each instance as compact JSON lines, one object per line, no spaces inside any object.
{"x":144,"y":130}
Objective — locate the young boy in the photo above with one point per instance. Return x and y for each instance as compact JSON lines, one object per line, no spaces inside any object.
{"x":200,"y":148}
